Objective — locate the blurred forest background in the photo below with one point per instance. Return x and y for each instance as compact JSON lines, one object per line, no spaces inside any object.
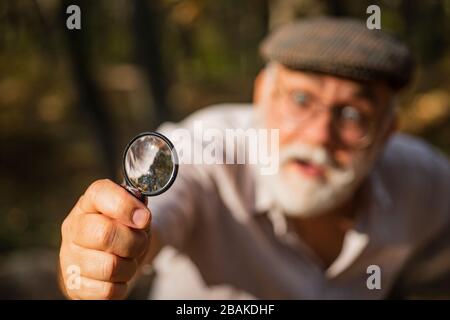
{"x":71,"y":100}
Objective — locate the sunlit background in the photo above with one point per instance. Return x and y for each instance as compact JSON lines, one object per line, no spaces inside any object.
{"x":71,"y":100}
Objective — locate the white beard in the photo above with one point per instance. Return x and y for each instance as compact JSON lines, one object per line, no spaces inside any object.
{"x":301,"y":196}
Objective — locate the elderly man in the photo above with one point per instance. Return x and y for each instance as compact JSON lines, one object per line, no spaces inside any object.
{"x":355,"y":210}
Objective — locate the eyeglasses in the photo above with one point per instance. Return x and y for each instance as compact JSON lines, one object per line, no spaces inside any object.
{"x":353,"y":127}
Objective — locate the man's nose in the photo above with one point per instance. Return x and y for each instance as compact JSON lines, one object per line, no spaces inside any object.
{"x":317,"y":130}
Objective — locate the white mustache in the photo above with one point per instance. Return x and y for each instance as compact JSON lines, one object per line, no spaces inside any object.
{"x":316,"y":155}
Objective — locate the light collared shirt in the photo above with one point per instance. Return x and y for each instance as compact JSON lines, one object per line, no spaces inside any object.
{"x":225,"y":239}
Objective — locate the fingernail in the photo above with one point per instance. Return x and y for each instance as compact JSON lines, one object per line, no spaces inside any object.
{"x":140,"y":217}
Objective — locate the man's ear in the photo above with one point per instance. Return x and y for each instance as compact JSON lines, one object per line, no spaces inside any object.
{"x":258,"y":87}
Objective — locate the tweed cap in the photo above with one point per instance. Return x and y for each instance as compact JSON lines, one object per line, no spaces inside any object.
{"x":342,"y":47}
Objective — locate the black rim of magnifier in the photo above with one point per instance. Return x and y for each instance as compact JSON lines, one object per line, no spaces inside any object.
{"x":174,"y":158}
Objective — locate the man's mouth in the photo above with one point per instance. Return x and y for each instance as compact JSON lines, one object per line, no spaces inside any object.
{"x":307,"y":168}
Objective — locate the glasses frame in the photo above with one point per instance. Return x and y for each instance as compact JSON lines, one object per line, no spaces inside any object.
{"x":365,"y":141}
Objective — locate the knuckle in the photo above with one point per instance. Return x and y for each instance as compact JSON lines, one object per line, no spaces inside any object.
{"x":109,"y":269}
{"x":105,"y":234}
{"x":69,"y":228}
{"x":123,"y":204}
{"x":93,"y":187}
{"x":101,"y":183}
{"x":98,"y":186}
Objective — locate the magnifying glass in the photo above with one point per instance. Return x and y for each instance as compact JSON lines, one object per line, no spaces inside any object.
{"x":150,"y":165}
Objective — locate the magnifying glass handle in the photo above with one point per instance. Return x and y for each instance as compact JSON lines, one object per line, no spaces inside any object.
{"x":136,"y":193}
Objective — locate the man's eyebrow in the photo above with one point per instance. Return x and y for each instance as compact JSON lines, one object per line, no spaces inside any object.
{"x":310,"y":77}
{"x":318,"y":79}
{"x":367,"y":92}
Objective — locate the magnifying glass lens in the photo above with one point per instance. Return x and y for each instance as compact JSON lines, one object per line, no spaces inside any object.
{"x":150,"y":163}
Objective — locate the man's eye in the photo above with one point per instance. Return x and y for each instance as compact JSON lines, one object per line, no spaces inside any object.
{"x":350,"y":113}
{"x":301,"y":99}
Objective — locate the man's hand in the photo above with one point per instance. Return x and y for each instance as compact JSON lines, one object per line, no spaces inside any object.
{"x":104,"y":238}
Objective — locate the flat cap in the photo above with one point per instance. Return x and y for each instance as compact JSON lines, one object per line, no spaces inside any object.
{"x":342,"y":47}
